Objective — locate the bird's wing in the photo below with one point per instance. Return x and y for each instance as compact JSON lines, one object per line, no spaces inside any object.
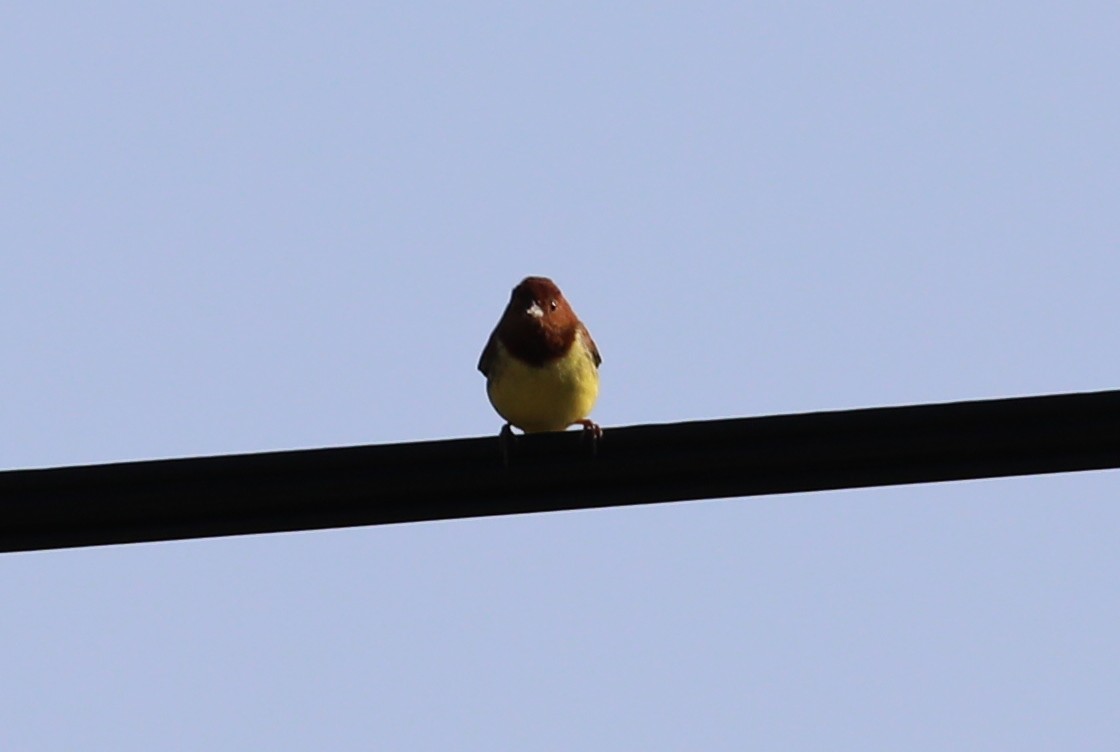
{"x":590,"y":345}
{"x":489,"y":353}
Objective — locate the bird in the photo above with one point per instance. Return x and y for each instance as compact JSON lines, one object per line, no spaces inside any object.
{"x":541,"y":364}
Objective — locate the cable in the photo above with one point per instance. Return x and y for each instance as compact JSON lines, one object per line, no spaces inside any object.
{"x":440,"y":480}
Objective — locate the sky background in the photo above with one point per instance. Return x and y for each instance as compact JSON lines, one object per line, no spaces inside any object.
{"x":238,"y":227}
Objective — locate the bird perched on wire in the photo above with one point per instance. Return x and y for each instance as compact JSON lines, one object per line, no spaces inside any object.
{"x":540,"y":363}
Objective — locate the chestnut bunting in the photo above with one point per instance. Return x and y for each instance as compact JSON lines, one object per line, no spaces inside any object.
{"x":540,"y":363}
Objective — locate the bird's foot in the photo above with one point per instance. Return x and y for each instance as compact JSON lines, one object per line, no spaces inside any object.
{"x":591,"y":427}
{"x":591,"y":432}
{"x":505,"y":442}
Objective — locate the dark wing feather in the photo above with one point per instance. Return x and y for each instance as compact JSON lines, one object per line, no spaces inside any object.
{"x":489,"y":353}
{"x":590,"y":345}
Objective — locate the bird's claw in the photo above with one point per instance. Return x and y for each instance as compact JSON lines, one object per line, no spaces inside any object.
{"x":505,"y":441}
{"x":591,"y":427}
{"x":593,"y":432}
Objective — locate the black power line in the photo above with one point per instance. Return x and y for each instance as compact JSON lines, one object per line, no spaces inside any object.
{"x":439,"y":480}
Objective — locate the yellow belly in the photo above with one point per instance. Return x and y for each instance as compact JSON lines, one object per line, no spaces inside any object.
{"x":546,"y":398}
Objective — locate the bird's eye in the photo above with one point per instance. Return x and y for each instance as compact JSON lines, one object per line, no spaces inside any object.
{"x":553,"y":305}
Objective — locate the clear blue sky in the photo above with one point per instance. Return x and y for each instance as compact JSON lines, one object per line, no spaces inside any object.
{"x":253,"y":226}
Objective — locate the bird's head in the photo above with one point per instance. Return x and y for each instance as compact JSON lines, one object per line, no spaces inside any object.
{"x":539,"y":300}
{"x":538,"y":323}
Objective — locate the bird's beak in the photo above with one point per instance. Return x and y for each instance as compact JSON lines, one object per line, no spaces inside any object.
{"x":535,"y":311}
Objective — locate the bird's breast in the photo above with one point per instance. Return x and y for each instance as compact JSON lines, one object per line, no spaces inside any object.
{"x":548,"y":397}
